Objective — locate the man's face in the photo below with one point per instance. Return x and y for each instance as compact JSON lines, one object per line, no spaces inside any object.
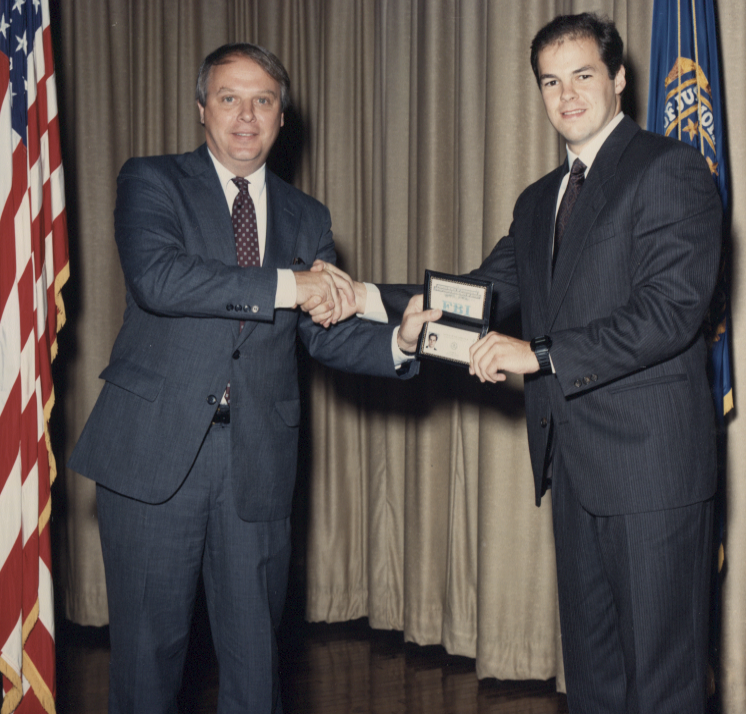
{"x":578,"y":94}
{"x":242,"y":115}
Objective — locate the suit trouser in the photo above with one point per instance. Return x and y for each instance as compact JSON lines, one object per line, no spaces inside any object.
{"x":634,"y":605}
{"x":153,"y":555}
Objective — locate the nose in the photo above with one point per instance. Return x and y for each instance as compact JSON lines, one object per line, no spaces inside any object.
{"x":568,"y":92}
{"x":247,"y":111}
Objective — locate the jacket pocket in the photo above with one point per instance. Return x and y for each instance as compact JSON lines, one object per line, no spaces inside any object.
{"x":601,"y":233}
{"x":664,"y":379}
{"x":134,"y":378}
{"x":289,"y":411}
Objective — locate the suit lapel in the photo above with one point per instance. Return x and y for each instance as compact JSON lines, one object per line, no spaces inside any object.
{"x":207,"y":198}
{"x":540,"y":248}
{"x":590,"y":202}
{"x":283,"y":221}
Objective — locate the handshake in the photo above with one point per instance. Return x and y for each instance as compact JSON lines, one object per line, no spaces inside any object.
{"x":329,"y":295}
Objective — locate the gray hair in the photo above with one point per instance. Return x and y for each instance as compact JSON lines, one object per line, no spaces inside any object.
{"x":264,"y":58}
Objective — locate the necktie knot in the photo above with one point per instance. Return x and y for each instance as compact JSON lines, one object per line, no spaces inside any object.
{"x":242,"y":184}
{"x":577,"y":172}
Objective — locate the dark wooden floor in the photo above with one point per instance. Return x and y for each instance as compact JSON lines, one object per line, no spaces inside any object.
{"x":334,"y":669}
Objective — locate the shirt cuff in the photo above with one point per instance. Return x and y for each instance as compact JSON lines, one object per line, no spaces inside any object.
{"x":286,"y":289}
{"x":374,"y":309}
{"x":399,"y":357}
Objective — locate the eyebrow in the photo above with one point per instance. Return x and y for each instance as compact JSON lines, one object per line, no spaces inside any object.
{"x":230,"y":89}
{"x":587,"y":67}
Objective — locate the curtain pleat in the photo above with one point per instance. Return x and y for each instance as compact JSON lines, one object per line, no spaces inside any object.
{"x":418,"y":122}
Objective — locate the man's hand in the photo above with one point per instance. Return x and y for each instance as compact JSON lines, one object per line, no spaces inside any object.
{"x":320,"y":312}
{"x":412,"y":321}
{"x":495,"y":354}
{"x":319,"y":290}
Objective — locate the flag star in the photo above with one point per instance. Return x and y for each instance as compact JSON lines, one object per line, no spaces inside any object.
{"x":4,"y":26}
{"x":22,"y":43}
{"x":18,"y":6}
{"x":692,"y":128}
{"x":37,"y":3}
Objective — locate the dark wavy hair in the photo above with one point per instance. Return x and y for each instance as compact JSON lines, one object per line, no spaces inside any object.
{"x":264,"y":58}
{"x":573,"y":27}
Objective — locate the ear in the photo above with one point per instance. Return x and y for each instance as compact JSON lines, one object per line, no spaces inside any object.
{"x":620,"y":81}
{"x":201,"y":113}
{"x":282,"y":119}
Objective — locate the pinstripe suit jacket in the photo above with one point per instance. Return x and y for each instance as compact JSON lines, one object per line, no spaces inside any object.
{"x":630,"y":401}
{"x":180,"y":342}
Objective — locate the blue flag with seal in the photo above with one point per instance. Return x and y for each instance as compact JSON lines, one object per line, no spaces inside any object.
{"x":684,"y":102}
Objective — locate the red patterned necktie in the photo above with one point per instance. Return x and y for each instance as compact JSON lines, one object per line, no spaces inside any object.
{"x":244,"y":227}
{"x":246,"y":235}
{"x":574,"y":184}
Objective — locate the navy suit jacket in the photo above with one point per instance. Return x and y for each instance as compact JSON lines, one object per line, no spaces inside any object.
{"x":632,"y":410}
{"x":180,"y":344}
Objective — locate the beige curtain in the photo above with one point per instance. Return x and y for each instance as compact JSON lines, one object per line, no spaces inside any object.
{"x":420,"y":123}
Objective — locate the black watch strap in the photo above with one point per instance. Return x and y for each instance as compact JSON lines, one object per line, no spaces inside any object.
{"x":541,"y":346}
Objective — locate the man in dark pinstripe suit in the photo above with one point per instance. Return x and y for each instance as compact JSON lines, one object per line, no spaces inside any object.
{"x":619,"y":414}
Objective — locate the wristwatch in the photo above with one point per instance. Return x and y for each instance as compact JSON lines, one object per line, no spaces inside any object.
{"x":541,"y":346}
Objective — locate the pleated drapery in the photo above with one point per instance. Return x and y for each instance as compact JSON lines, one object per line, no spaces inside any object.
{"x":418,"y":122}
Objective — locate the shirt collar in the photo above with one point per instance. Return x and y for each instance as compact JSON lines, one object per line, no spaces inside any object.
{"x":589,"y":151}
{"x":257,"y":179}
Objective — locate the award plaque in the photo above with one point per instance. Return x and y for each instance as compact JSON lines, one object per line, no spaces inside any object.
{"x":466,"y":304}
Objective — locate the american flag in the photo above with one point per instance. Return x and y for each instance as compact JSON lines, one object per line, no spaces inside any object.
{"x":33,"y":268}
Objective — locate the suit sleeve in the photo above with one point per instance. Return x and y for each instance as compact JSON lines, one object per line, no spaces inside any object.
{"x":675,"y":248}
{"x":498,"y":267}
{"x":162,"y":275}
{"x":357,"y":346}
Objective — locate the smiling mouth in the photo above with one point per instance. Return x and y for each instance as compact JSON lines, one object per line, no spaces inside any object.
{"x":573,"y":113}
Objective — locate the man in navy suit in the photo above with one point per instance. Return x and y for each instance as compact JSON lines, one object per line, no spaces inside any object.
{"x":193,"y":440}
{"x":619,"y":414}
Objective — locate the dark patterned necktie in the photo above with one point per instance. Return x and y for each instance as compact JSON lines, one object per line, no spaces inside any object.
{"x":244,"y":227}
{"x":247,"y":237}
{"x":574,"y":184}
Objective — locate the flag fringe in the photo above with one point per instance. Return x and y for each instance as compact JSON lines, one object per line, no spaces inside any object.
{"x":52,"y":461}
{"x":728,"y":402}
{"x":12,"y":698}
{"x":59,"y":281}
{"x":38,"y":685}
{"x":31,"y":620}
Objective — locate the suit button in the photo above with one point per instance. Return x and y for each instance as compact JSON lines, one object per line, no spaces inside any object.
{"x":229,"y":307}
{"x":246,"y":308}
{"x":238,"y":308}
{"x":594,"y":378}
{"x":578,"y":383}
{"x":212,"y":399}
{"x":255,"y":308}
{"x":236,"y":354}
{"x":543,"y":422}
{"x":587,"y":380}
